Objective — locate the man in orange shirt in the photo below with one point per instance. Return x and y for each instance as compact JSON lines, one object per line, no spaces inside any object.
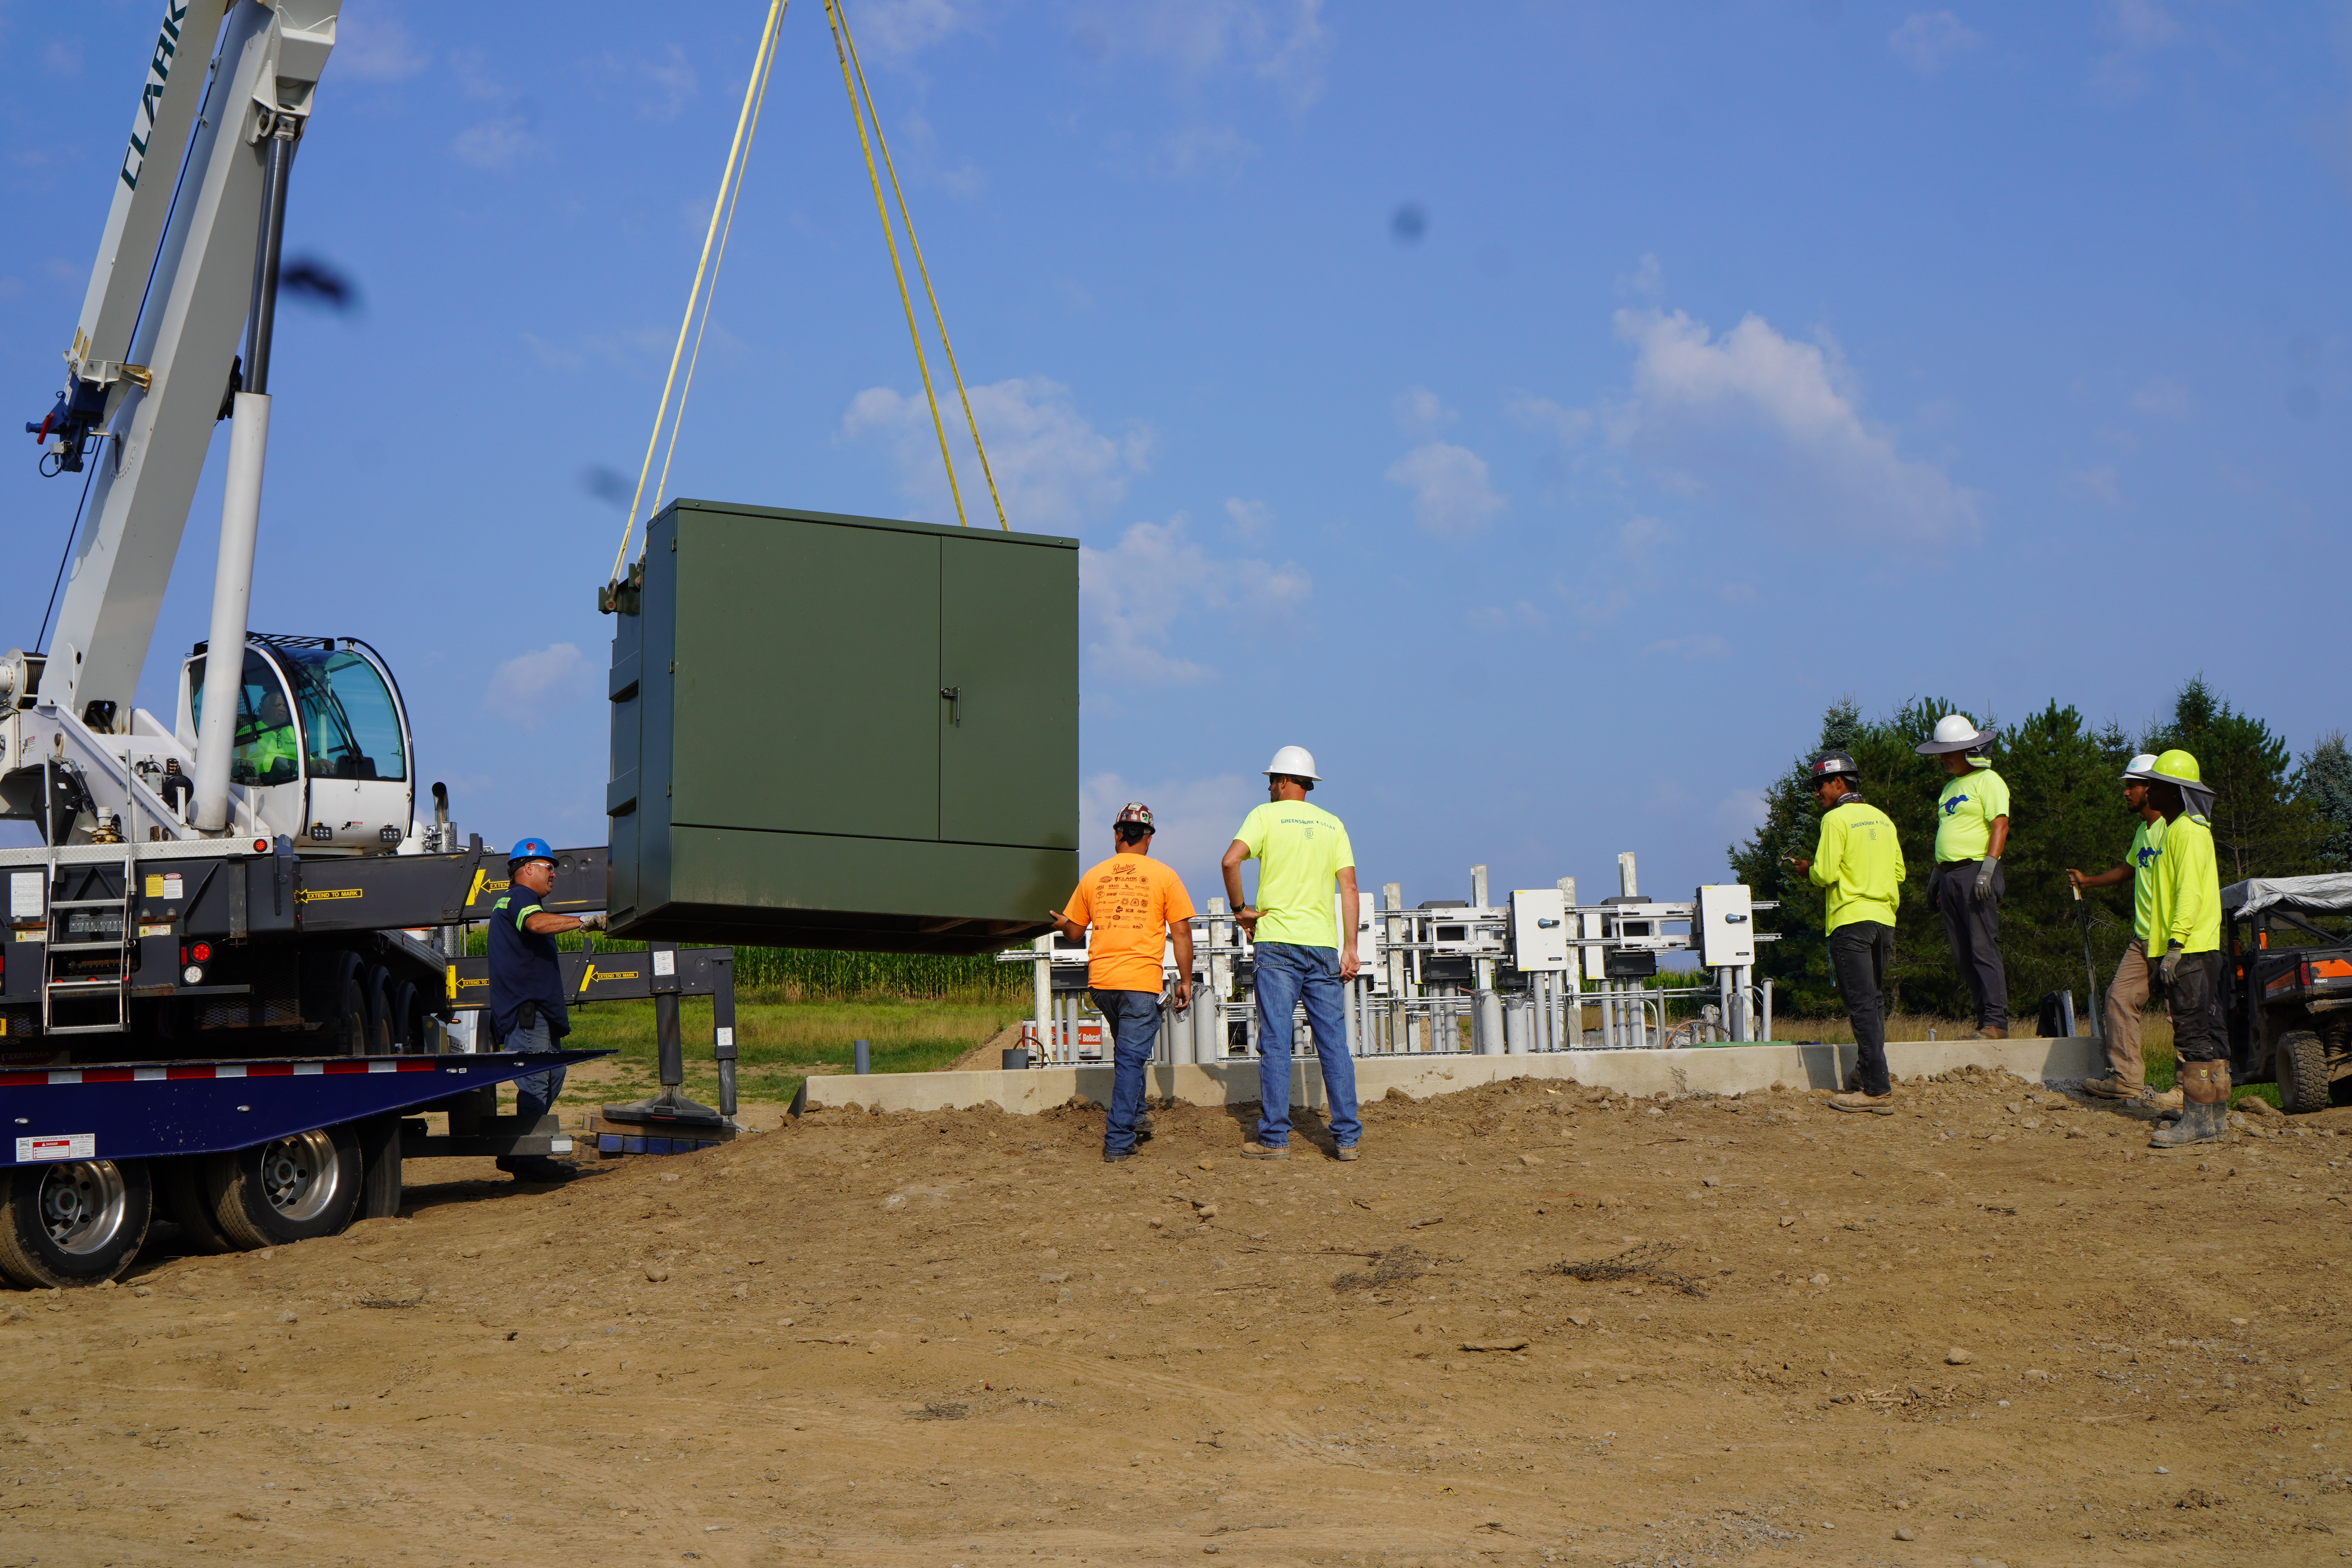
{"x":1133,"y":903}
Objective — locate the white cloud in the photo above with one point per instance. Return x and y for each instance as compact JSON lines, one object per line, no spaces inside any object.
{"x":1252,"y":520}
{"x":1134,"y":593}
{"x":1567,"y":426}
{"x":1451,"y":496}
{"x":1640,"y":540}
{"x":531,"y":688}
{"x":1054,"y":470}
{"x":1420,"y":412}
{"x":1704,"y":646}
{"x":903,"y":27}
{"x":660,"y":84}
{"x":1199,"y":149}
{"x":62,"y":56}
{"x":372,"y":42}
{"x":1753,"y":415}
{"x":1501,"y":617}
{"x":1648,"y":279}
{"x":2142,"y":24}
{"x":1928,"y":41}
{"x":498,"y":143}
{"x":1741,"y":812}
{"x":1192,"y":820}
{"x":2101,"y":483}
{"x":2163,"y":398}
{"x":1279,"y":42}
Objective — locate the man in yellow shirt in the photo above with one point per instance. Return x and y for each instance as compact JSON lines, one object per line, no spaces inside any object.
{"x":1301,"y":850}
{"x":2128,"y":993}
{"x":1124,"y":908}
{"x":2185,"y":928}
{"x":1860,"y":861}
{"x":1971,"y":834}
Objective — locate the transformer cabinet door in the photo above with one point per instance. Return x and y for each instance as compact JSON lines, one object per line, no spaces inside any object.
{"x":806,"y":685}
{"x":1008,"y":740}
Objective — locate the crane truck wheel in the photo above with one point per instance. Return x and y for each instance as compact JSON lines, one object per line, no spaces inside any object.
{"x":380,"y":1159}
{"x":407,"y":1030}
{"x":289,"y":1189}
{"x":347,"y":1025}
{"x":383,"y":1030}
{"x":2300,"y":1060}
{"x":74,"y":1223}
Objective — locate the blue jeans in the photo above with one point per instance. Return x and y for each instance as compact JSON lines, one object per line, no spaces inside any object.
{"x":535,"y":1092}
{"x":1133,"y":1017}
{"x":1286,"y":973}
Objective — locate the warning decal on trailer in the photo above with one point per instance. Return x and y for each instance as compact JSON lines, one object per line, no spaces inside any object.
{"x":66,"y":1146}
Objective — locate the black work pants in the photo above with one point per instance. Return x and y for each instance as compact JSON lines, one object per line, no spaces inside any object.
{"x":1974,"y":928}
{"x":2194,"y":998}
{"x":1859,"y":952}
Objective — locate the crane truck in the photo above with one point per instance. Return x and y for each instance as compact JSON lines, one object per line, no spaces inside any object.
{"x":230,"y":983}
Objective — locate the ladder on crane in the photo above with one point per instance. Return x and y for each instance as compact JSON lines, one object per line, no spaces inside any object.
{"x":78,"y":929}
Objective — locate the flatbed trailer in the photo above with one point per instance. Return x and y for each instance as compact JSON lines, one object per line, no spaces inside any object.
{"x":243,"y":1042}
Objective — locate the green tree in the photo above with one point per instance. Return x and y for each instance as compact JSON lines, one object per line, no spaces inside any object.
{"x":2262,"y":825}
{"x":2324,"y":783}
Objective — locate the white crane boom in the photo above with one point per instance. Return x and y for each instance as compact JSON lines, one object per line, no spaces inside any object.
{"x":159,"y":423}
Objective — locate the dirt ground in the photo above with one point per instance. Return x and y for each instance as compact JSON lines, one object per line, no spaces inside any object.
{"x":1991,"y":1328}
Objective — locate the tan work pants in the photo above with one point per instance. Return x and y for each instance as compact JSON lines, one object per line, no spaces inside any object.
{"x":2125,"y":996}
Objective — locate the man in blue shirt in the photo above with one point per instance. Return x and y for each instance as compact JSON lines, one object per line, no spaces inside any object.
{"x":527,"y":990}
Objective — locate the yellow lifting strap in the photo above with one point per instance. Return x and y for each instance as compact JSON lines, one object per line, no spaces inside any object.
{"x":714,"y":254}
{"x":722,"y":215}
{"x":846,"y":49}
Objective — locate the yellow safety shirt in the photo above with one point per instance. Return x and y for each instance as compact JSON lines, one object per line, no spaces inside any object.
{"x":2188,"y":890}
{"x":1964,"y":814}
{"x":2145,"y":854}
{"x":1859,"y":862}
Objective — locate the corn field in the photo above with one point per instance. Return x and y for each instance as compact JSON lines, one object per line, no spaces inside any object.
{"x":809,"y":975}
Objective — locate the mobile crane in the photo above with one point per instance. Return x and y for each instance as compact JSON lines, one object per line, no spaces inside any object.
{"x":220,"y":990}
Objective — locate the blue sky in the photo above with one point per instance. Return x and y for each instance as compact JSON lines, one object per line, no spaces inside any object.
{"x":1540,"y":411}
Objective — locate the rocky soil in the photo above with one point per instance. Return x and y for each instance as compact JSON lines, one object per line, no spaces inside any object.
{"x":1532,"y":1324}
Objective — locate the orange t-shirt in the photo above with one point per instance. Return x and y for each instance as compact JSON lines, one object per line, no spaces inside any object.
{"x":1130,"y":900}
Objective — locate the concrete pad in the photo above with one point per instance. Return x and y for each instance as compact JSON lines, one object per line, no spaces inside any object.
{"x":1720,"y":1069}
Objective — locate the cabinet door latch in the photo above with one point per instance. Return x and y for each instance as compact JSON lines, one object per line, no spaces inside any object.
{"x":955,"y":704}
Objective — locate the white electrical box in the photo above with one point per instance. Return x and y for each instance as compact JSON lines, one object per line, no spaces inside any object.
{"x":1539,"y":929}
{"x":1727,"y":926}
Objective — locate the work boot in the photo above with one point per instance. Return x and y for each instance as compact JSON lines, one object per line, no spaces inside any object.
{"x":1345,"y":1152}
{"x":2200,"y":1122}
{"x":1875,"y":1104}
{"x":1996,"y":1031}
{"x":2114,"y":1088}
{"x":1254,"y":1151}
{"x":2170,"y":1101}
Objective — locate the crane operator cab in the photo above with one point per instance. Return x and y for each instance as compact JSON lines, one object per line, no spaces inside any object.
{"x":323,"y":742}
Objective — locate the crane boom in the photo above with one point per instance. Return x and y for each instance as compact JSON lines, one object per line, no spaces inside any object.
{"x":160,"y":422}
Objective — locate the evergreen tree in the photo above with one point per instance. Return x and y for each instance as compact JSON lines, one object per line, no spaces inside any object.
{"x":2324,"y":783}
{"x":2262,"y":825}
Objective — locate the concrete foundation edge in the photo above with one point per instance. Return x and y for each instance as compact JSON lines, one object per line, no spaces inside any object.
{"x":1729,"y":1069}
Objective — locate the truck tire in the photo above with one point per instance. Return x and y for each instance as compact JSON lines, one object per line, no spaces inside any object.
{"x":379,"y":1167}
{"x":382,"y":1033}
{"x":180,"y":1198}
{"x":2300,"y":1062}
{"x":347,"y":1025}
{"x":407,"y":1019}
{"x":74,"y":1223}
{"x":289,"y":1189}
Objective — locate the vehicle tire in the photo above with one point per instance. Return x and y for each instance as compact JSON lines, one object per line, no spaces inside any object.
{"x":407,"y":1019}
{"x":379,"y":1167}
{"x":179,"y":1186}
{"x":376,"y":984}
{"x":347,"y":1030}
{"x":2299,"y":1060}
{"x":289,"y":1189}
{"x":74,"y":1223}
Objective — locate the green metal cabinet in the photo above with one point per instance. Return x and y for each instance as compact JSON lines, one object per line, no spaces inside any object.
{"x":844,"y":731}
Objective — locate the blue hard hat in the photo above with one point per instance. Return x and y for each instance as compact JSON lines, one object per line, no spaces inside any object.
{"x":529,"y":849}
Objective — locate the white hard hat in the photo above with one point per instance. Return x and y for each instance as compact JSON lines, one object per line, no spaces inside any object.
{"x":1296,"y":761}
{"x":1955,"y":732}
{"x":2142,"y":767}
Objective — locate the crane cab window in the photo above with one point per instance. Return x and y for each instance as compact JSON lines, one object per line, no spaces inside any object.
{"x":267,"y":749}
{"x":347,"y":716}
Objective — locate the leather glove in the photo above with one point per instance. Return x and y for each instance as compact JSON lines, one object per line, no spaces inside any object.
{"x":591,"y":923}
{"x":2170,"y":963}
{"x":1991,"y":864}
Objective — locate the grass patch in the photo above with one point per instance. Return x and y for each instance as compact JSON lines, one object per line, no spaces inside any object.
{"x":778,"y":1044}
